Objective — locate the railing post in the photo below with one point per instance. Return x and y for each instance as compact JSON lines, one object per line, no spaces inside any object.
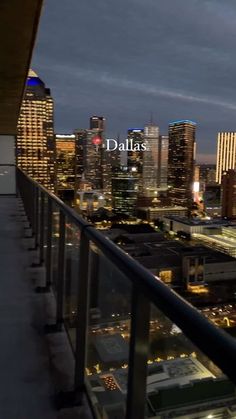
{"x":82,"y":315}
{"x":138,"y":356}
{"x":36,"y":216}
{"x":49,"y":246}
{"x":61,"y":271}
{"x":41,"y":230}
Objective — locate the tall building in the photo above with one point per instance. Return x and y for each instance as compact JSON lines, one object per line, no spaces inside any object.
{"x":135,"y":157}
{"x":125,"y":190}
{"x":181,"y":161}
{"x":65,"y":165}
{"x":97,"y":122}
{"x":229,"y":194}
{"x":212,"y":200}
{"x":226,"y":153}
{"x":88,"y":155}
{"x":163,"y":161}
{"x":207,"y":175}
{"x":35,"y":147}
{"x":151,"y":159}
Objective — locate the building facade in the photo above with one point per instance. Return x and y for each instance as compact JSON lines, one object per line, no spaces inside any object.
{"x":125,"y":185}
{"x":88,"y":159}
{"x":181,"y":160}
{"x":151,"y":160}
{"x":65,"y":163}
{"x":226,"y":153}
{"x":35,"y":147}
{"x":97,"y":122}
{"x":135,"y":157}
{"x":163,"y":161}
{"x":229,"y":194}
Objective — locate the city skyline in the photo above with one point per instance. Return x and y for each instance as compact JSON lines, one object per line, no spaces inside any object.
{"x":131,"y":74}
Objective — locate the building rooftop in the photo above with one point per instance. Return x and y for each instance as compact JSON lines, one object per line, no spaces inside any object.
{"x":200,"y":222}
{"x":155,"y":251}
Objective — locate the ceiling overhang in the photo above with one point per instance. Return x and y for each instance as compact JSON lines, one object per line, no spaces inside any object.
{"x":18,"y":27}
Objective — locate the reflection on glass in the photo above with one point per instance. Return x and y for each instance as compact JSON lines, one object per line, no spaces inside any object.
{"x":71,"y":278}
{"x":181,"y":381}
{"x":108,"y":336}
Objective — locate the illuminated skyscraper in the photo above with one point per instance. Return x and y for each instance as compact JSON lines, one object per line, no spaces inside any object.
{"x":35,"y":137}
{"x":151,"y":161}
{"x":89,"y":158}
{"x":98,"y":123}
{"x":163,"y":161}
{"x":135,"y":157}
{"x":125,"y":190}
{"x":65,"y":165}
{"x":181,"y":161}
{"x":226,"y":153}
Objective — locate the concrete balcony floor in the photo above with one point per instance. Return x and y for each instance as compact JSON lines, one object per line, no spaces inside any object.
{"x":26,"y":384}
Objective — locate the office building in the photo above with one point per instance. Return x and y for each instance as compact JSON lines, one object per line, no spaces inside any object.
{"x":35,"y":148}
{"x":181,"y":162}
{"x":212,"y":200}
{"x":65,"y":165}
{"x":229,"y":194}
{"x":151,"y":161}
{"x":135,"y":157}
{"x":125,"y":183}
{"x":158,"y":212}
{"x":97,"y":122}
{"x":226,"y":153}
{"x":88,"y":159}
{"x":163,"y":161}
{"x":207,"y":175}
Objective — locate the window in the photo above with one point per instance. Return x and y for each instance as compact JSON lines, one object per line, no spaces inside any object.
{"x":166,"y":276}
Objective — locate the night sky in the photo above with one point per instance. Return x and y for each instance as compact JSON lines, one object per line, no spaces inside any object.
{"x":127,"y":59}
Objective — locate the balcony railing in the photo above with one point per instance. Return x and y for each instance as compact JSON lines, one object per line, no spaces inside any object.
{"x":130,"y":333}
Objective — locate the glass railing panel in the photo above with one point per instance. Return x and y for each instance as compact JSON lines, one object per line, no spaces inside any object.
{"x":182,"y":382}
{"x":108,"y":336}
{"x":72,"y":248}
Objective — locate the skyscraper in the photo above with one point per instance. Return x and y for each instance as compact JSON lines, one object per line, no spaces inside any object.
{"x":163,"y":161}
{"x":125,"y":190}
{"x":65,"y":165}
{"x":89,"y":158}
{"x":135,"y":158}
{"x":181,"y":161}
{"x":229,"y":194}
{"x":35,"y":137}
{"x":226,"y":153}
{"x":97,"y":122}
{"x":151,"y":160}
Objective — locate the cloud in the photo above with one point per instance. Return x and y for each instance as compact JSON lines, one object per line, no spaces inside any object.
{"x":104,"y":78}
{"x":124,"y":58}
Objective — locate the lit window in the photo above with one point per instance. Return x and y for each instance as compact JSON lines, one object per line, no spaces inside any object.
{"x":166,"y":276}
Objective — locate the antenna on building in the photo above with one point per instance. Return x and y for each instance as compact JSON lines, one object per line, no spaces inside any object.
{"x":151,"y":118}
{"x":118,"y":138}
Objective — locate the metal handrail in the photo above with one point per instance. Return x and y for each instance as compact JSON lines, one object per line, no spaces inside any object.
{"x":214,"y":342}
